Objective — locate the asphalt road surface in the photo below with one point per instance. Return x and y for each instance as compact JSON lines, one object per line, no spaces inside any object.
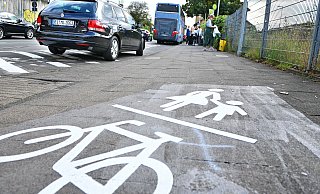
{"x":176,"y":120}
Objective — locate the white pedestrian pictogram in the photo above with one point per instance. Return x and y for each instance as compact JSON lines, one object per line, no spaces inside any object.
{"x":197,"y":97}
{"x":223,"y":110}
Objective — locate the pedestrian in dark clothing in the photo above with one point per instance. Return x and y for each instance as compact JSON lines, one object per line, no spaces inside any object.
{"x":188,"y":33}
{"x":208,"y":34}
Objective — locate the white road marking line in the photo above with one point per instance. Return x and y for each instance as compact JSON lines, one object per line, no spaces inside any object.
{"x":152,"y":58}
{"x":28,"y":54}
{"x":223,"y":56}
{"x":150,"y":46}
{"x":48,"y":53}
{"x":92,"y":62}
{"x":58,"y":64}
{"x":187,"y":124}
{"x":82,"y":52}
{"x":44,"y":52}
{"x":11,"y":68}
{"x":271,"y":89}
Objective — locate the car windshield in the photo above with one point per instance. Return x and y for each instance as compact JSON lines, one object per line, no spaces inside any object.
{"x":13,"y":17}
{"x":10,"y":16}
{"x":71,"y":7}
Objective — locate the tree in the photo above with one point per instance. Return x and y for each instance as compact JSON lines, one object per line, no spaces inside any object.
{"x":140,"y":13}
{"x":201,"y":7}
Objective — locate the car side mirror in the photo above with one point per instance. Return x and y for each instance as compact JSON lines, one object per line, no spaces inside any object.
{"x":19,"y":20}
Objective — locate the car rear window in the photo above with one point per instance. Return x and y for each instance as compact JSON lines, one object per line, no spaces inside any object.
{"x":83,"y":7}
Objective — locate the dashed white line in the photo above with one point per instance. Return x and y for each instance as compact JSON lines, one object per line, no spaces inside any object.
{"x":58,"y":64}
{"x":11,"y":68}
{"x":28,"y":54}
{"x":92,"y":62}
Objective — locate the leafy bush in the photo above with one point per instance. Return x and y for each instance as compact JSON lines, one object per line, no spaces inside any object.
{"x":220,"y":21}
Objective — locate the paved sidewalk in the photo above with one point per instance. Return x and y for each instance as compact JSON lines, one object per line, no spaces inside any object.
{"x":223,"y":68}
{"x":265,"y":145}
{"x":15,"y":90}
{"x":179,"y":64}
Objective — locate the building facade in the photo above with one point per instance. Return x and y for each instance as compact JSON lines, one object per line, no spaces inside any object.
{"x":22,"y":8}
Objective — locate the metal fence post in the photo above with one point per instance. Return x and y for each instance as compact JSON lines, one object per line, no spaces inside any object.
{"x":265,"y":28}
{"x":314,"y":50}
{"x":243,"y":27}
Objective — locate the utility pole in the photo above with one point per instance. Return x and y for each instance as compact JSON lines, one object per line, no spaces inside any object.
{"x":218,"y":8}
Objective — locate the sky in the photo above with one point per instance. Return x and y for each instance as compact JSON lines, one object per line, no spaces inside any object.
{"x":152,"y":7}
{"x":283,"y":12}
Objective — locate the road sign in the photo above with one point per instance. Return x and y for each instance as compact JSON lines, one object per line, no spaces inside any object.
{"x":214,"y":6}
{"x":34,"y":5}
{"x":211,"y":11}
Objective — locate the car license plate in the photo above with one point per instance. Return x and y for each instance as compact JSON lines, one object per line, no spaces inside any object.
{"x":69,"y":23}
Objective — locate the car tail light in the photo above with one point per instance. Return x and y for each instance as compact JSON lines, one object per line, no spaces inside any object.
{"x":174,"y":33}
{"x":155,"y":32}
{"x":83,"y":44}
{"x":39,"y":20}
{"x":95,"y":25}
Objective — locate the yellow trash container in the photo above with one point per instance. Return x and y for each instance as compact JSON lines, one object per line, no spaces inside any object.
{"x":222,"y":45}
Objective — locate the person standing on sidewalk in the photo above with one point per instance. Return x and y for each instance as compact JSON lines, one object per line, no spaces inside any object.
{"x":208,"y":34}
{"x":188,"y":35}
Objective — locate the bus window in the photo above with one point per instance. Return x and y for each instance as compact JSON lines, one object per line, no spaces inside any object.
{"x":168,"y":8}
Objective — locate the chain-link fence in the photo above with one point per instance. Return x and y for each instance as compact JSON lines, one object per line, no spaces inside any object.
{"x":285,"y":32}
{"x":233,"y":31}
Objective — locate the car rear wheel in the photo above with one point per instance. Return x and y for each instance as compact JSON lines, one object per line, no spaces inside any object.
{"x":1,"y":33}
{"x":29,"y":34}
{"x":113,"y":51}
{"x":141,"y":47}
{"x":56,"y":50}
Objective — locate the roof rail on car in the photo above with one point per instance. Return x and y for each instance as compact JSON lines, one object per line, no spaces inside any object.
{"x":119,"y":4}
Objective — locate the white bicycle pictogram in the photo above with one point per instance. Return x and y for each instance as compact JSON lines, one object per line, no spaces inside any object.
{"x":74,"y":171}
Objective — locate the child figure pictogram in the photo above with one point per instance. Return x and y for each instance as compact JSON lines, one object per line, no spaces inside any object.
{"x":223,"y":110}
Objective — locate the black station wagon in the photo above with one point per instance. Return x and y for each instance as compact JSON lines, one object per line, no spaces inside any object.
{"x":99,"y":26}
{"x":11,"y":25}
